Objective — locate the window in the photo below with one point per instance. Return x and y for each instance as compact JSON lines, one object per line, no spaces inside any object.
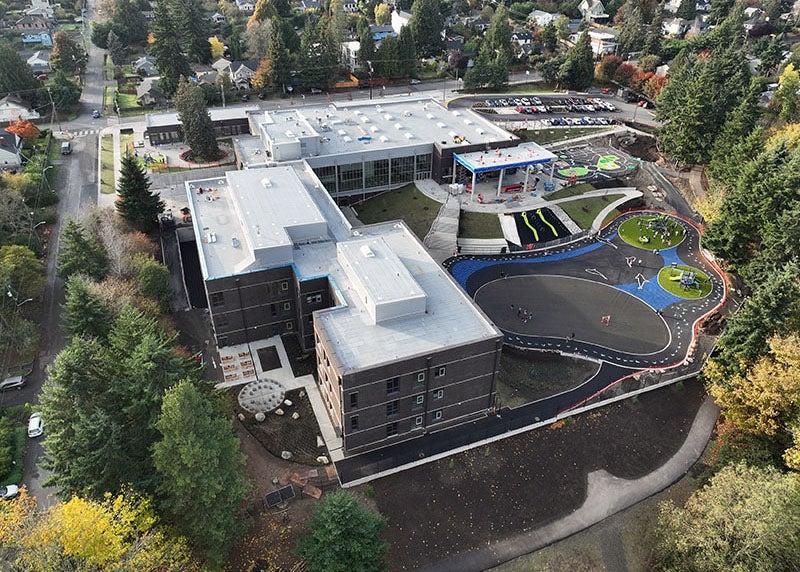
{"x":421,"y":377}
{"x":437,"y":415}
{"x":393,"y":386}
{"x":284,"y":286}
{"x":420,"y":399}
{"x":391,"y":408}
{"x":391,"y":429}
{"x":287,"y":305}
{"x":440,"y":372}
{"x":354,"y":423}
{"x":354,"y":399}
{"x":217,"y":299}
{"x":418,"y":420}
{"x":438,"y":394}
{"x":273,"y":309}
{"x":289,"y":326}
{"x":318,"y":298}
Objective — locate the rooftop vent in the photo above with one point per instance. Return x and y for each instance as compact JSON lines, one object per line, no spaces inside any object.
{"x":480,"y":131}
{"x":383,"y":138}
{"x":468,"y":121}
{"x":398,"y":126}
{"x":347,"y":139}
{"x":366,"y":251}
{"x":430,"y":115}
{"x":388,"y":117}
{"x":409,"y":135}
{"x":374,"y":129}
{"x":357,"y":112}
{"x":456,"y":113}
{"x":342,"y":132}
{"x":407,"y":113}
{"x":440,"y":125}
{"x":364,"y":119}
{"x":266,"y":182}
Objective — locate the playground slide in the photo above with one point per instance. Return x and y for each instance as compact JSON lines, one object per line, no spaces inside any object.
{"x":530,"y":226}
{"x":550,"y":226}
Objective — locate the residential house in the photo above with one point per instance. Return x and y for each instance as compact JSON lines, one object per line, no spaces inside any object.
{"x":541,"y":18}
{"x":222,"y":65}
{"x":350,"y":6}
{"x":592,"y":11}
{"x":145,"y":66}
{"x":13,"y":108}
{"x":662,"y":70}
{"x":309,"y":5}
{"x":350,"y":55}
{"x":206,"y":77}
{"x":218,"y":18}
{"x":149,"y":93}
{"x":41,"y":8}
{"x":381,"y":32}
{"x":675,"y":27}
{"x":10,"y":145}
{"x":40,"y":62}
{"x":399,"y":20}
{"x":754,"y":17}
{"x":522,"y":38}
{"x":32,"y":24}
{"x":42,"y":38}
{"x":603,"y":41}
{"x":454,"y":43}
{"x":242,"y":72}
{"x":246,"y":6}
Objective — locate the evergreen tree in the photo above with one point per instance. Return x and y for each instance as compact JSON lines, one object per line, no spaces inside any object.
{"x":339,"y":23}
{"x":278,"y":56}
{"x":498,"y":36}
{"x":652,"y":42}
{"x":264,"y":10}
{"x":719,"y":10}
{"x":235,"y":43}
{"x":406,"y":52}
{"x":283,"y":8}
{"x":550,"y":37}
{"x":786,"y":94}
{"x":366,"y":50}
{"x":319,"y":56}
{"x":343,"y":536}
{"x":577,"y":71}
{"x":386,"y":63}
{"x":16,"y":75}
{"x":118,"y":50}
{"x":198,"y":130}
{"x":427,"y":23}
{"x":190,"y":20}
{"x":65,"y":92}
{"x":739,"y":125}
{"x":81,"y":253}
{"x":772,"y":56}
{"x":201,"y":469}
{"x":632,"y":37}
{"x":153,"y":279}
{"x":85,"y":314}
{"x":137,"y":204}
{"x":128,"y":22}
{"x":67,"y":55}
{"x":687,"y":10}
{"x":166,"y":50}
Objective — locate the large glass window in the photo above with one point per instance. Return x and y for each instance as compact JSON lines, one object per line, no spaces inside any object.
{"x":402,"y":169}
{"x":350,"y":177}
{"x":376,"y":173}
{"x":423,"y":166}
{"x":327,"y":176}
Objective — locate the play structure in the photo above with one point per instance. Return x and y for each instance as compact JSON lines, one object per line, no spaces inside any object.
{"x":652,"y":232}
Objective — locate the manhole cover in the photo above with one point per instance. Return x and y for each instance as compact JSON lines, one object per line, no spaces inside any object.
{"x":262,"y":395}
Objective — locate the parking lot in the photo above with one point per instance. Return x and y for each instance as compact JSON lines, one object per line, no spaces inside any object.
{"x":551,"y":111}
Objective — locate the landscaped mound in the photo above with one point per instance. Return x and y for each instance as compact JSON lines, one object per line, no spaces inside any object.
{"x":652,"y":232}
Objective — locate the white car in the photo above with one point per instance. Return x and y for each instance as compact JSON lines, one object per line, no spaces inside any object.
{"x":9,"y":492}
{"x":35,"y":425}
{"x":13,"y":382}
{"x":415,"y":82}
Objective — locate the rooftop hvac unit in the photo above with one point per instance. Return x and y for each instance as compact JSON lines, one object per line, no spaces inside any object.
{"x":440,"y":125}
{"x":456,"y":113}
{"x":429,"y":115}
{"x":388,"y":117}
{"x":289,"y":133}
{"x":398,"y":126}
{"x":357,"y":112}
{"x":409,"y":135}
{"x":451,"y":133}
{"x":366,"y":251}
{"x":347,"y":139}
{"x":266,"y":182}
{"x":383,"y":138}
{"x":342,"y":132}
{"x":374,"y":129}
{"x":468,"y":121}
{"x":364,"y":119}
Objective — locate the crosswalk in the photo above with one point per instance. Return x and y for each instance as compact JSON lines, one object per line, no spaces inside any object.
{"x":85,"y":132}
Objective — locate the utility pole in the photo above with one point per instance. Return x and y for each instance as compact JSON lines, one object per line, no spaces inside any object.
{"x":53,"y":111}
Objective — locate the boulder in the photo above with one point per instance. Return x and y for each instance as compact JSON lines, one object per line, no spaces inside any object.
{"x":323,"y":459}
{"x":295,"y":415}
{"x":286,"y":455}
{"x":302,"y":393}
{"x":260,"y":416}
{"x":279,"y":411}
{"x":287,"y":402}
{"x":241,"y":416}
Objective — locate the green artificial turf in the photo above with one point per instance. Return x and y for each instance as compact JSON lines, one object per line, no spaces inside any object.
{"x":637,"y":232}
{"x":669,"y":280}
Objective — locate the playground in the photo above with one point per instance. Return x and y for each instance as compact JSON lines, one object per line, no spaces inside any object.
{"x":652,"y":232}
{"x":591,"y":162}
{"x":539,"y":225}
{"x":626,"y":307}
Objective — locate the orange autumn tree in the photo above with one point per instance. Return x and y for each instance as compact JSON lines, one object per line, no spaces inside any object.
{"x":24,"y":128}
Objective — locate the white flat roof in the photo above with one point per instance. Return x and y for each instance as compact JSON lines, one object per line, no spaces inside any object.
{"x":510,"y":157}
{"x":382,"y":124}
{"x":419,"y":307}
{"x":216,"y":113}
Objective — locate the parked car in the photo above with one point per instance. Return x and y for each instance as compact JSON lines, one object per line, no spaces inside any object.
{"x":35,"y":425}
{"x":315,"y":91}
{"x":9,"y":492}
{"x":415,"y":82}
{"x":13,"y":382}
{"x":95,"y":114}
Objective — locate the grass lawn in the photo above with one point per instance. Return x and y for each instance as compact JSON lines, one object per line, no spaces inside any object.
{"x":407,"y":204}
{"x":479,"y":225}
{"x":109,"y":93}
{"x":107,"y":164}
{"x":108,"y":68}
{"x":570,"y":191}
{"x":584,"y":211}
{"x":545,"y":136}
{"x":652,"y":232}
{"x":669,"y":280}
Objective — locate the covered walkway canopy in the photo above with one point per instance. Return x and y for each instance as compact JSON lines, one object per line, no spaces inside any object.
{"x":524,"y":155}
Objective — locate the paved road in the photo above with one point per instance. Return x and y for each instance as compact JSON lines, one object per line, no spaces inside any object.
{"x":76,"y":184}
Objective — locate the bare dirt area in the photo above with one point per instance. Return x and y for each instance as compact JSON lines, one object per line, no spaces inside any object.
{"x":641,"y":147}
{"x":524,"y":482}
{"x":528,"y":376}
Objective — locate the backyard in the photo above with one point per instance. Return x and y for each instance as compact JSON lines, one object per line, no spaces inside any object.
{"x":584,"y":211}
{"x":407,"y":203}
{"x":479,"y":225}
